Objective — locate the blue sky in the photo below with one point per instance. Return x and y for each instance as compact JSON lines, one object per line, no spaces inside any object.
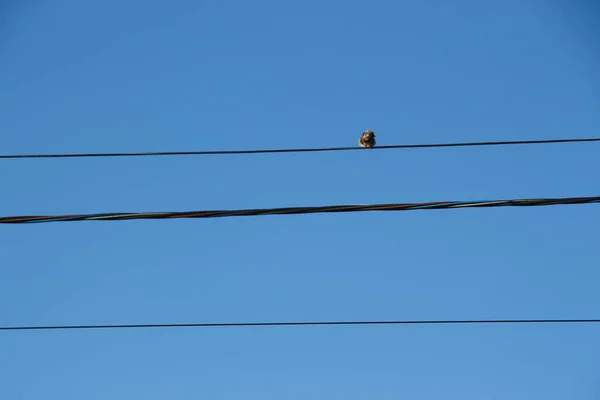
{"x":223,"y":74}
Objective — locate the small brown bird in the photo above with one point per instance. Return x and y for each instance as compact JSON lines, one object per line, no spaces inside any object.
{"x":367,"y":139}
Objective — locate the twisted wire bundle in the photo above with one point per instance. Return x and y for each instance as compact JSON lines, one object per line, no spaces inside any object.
{"x":298,"y":210}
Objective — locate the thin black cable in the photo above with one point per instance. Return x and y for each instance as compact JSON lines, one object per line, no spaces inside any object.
{"x":438,"y":205}
{"x":301,"y":150}
{"x":305,"y":323}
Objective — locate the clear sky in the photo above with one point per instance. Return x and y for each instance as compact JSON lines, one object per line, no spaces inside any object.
{"x":148,"y":75}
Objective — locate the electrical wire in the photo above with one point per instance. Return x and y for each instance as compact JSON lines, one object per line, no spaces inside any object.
{"x":301,"y":150}
{"x":298,"y":210}
{"x":305,"y":323}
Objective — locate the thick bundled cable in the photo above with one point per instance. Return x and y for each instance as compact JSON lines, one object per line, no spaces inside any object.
{"x":302,"y":323}
{"x":301,"y":150}
{"x":298,"y":210}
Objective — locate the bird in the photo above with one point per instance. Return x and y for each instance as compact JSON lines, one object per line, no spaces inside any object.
{"x":367,"y":139}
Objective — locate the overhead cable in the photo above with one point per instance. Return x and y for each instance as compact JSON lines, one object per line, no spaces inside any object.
{"x":299,"y":210}
{"x":303,"y":323}
{"x":300,"y":150}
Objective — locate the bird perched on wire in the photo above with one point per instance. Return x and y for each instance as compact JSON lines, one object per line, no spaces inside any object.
{"x":367,"y":139}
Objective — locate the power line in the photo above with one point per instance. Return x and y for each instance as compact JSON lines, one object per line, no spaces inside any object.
{"x":305,"y":323}
{"x":298,"y":210}
{"x":301,"y":150}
